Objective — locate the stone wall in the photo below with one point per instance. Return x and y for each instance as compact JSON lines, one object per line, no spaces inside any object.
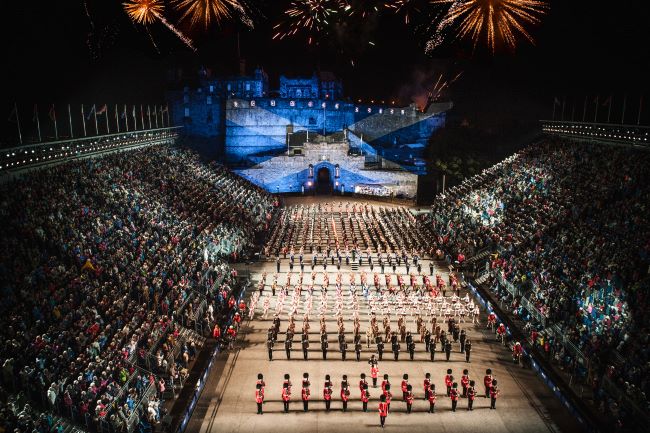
{"x":290,"y":173}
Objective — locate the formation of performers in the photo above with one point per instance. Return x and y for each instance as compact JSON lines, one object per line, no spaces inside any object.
{"x":422,"y":303}
{"x":347,"y":226}
{"x":439,"y":338}
{"x":385,"y":261}
{"x":467,"y":390}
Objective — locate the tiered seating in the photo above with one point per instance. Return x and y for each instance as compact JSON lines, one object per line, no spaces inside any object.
{"x":570,"y":226}
{"x":104,"y":264}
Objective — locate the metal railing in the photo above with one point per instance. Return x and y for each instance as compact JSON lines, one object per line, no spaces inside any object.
{"x":41,"y":154}
{"x":636,"y":135}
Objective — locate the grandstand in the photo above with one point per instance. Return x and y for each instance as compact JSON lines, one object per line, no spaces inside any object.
{"x":124,"y":261}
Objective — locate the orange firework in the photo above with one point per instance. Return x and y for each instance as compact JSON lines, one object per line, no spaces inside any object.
{"x":309,"y":16}
{"x":147,"y":11}
{"x":206,"y":11}
{"x":144,"y":11}
{"x":492,"y":20}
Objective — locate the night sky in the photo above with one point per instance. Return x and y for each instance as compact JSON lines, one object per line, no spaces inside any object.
{"x":53,"y":54}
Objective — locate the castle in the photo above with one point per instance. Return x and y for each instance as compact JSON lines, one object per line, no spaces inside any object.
{"x":305,"y":134}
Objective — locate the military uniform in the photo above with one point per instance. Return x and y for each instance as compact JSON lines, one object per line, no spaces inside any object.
{"x":269,"y":346}
{"x":305,"y":346}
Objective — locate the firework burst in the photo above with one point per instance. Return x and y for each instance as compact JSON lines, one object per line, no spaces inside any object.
{"x":492,"y":20}
{"x":308,"y":16}
{"x":365,"y":8}
{"x":146,"y":12}
{"x":440,"y":85}
{"x":206,"y":11}
{"x":409,"y":8}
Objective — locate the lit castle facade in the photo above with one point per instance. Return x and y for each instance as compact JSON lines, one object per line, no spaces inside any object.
{"x":305,"y":134}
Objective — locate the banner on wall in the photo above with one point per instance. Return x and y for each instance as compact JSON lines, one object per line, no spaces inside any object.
{"x":372,"y":189}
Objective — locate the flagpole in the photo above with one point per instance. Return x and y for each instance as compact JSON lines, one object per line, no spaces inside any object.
{"x":573,"y":110}
{"x":155,"y":115}
{"x":38,"y":123}
{"x":108,"y":129}
{"x":141,"y":116}
{"x":83,"y":120}
{"x":638,"y":117}
{"x":117,"y":119}
{"x":95,"y":114}
{"x":56,"y":129}
{"x":20,"y":134}
{"x":167,"y":111}
{"x":609,"y":109}
{"x":149,"y":115}
{"x":126,"y":118}
{"x":623,"y":115}
{"x":596,"y":112}
{"x":584,"y":109}
{"x":554,"y":98}
{"x":70,"y":122}
{"x":563,"y":103}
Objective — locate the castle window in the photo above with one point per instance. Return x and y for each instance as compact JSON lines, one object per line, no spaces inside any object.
{"x":187,"y":112}
{"x":369,"y":110}
{"x":292,"y":103}
{"x":356,"y":109}
{"x":272,"y":102}
{"x":298,"y":93}
{"x":211,"y":88}
{"x":228,"y":87}
{"x":323,"y":105}
{"x":310,"y":104}
{"x":381,"y":110}
{"x":392,"y":111}
{"x":208,"y":100}
{"x":248,"y":87}
{"x":186,"y":98}
{"x":402,"y":111}
{"x":336,"y":105}
{"x":252,"y":103}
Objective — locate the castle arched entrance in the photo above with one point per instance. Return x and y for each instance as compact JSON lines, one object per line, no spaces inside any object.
{"x":323,"y":180}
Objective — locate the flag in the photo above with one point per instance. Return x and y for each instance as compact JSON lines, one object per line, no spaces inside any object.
{"x":52,"y":113}
{"x":102,"y":109}
{"x":90,"y":113}
{"x":13,"y":116}
{"x":35,"y":116}
{"x":556,"y":101}
{"x":166,"y":109}
{"x":607,"y":101}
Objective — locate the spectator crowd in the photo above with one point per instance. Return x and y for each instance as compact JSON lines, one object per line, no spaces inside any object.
{"x":569,"y":228}
{"x":107,"y":265}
